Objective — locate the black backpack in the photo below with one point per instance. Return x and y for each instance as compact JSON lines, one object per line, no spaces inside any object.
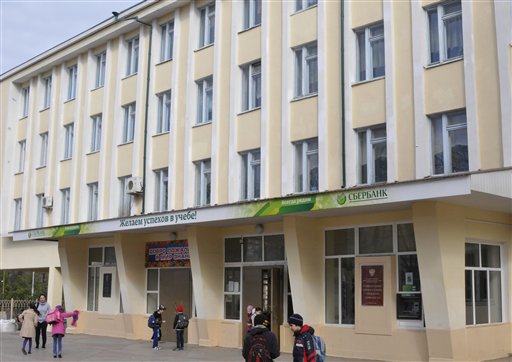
{"x":182,"y":322}
{"x":259,"y":351}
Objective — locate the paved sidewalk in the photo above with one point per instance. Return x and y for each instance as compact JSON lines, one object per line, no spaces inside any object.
{"x":81,"y":347}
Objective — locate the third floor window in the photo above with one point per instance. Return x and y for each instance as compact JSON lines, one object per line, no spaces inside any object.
{"x":306,"y":165}
{"x":373,"y":161}
{"x":167,"y":41}
{"x":101,"y":65}
{"x":72,"y":79}
{"x":129,"y":123}
{"x":205,"y":100}
{"x":207,"y":25}
{"x":96,"y":132}
{"x":68,"y":140}
{"x":164,"y":113}
{"x":47,"y":92}
{"x":445,"y":32}
{"x":304,"y":4}
{"x":252,"y":13}
{"x":251,"y":170}
{"x":132,"y":60}
{"x":251,"y":86}
{"x":306,"y":70}
{"x":370,"y":52}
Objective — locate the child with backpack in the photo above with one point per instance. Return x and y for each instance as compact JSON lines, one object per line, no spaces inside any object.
{"x":179,"y":325}
{"x":155,"y":323}
{"x":260,"y":344}
{"x":56,"y":319}
{"x":29,"y":319}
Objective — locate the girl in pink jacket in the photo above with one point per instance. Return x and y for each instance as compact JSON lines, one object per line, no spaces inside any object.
{"x":59,"y":329}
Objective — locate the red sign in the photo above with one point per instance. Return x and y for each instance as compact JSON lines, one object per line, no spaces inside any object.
{"x":372,"y":285}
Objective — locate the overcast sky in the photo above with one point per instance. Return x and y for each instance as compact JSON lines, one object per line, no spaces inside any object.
{"x":29,"y":28}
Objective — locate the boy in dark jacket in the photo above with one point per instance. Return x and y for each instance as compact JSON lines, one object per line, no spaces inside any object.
{"x":157,"y":325}
{"x":179,"y":329}
{"x":304,"y":345}
{"x":259,"y":340}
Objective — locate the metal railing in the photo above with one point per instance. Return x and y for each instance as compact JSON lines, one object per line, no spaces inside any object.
{"x":11,"y":308}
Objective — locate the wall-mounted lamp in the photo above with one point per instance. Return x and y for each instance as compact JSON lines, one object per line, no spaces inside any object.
{"x":173,"y":235}
{"x":259,"y":229}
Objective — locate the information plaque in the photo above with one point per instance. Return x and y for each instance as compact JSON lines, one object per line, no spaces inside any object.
{"x":372,"y":285}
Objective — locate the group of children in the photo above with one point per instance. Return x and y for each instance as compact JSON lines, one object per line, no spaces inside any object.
{"x":34,"y":322}
{"x":179,"y":325}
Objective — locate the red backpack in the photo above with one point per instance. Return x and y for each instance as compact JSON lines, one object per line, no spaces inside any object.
{"x":259,"y":351}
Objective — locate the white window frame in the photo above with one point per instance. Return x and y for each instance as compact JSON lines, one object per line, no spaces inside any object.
{"x":40,"y":211}
{"x":167,"y":41}
{"x":446,"y":129}
{"x":25,"y":101}
{"x":370,"y":142}
{"x":125,"y":199}
{"x":203,"y":182}
{"x":251,"y":163}
{"x":150,"y":309}
{"x":129,"y":123}
{"x":207,"y":25}
{"x":204,"y":100}
{"x":304,"y":57}
{"x":17,"y":213}
{"x":305,"y":151}
{"x":161,"y":189}
{"x":252,"y":13}
{"x":22,"y":152}
{"x":66,"y":203}
{"x":72,"y":81}
{"x":440,"y":32}
{"x":369,"y":41}
{"x":43,"y":157}
{"x":69,"y":140}
{"x":304,"y":4}
{"x":47,"y":92}
{"x":251,"y":86}
{"x":132,"y":54}
{"x":101,"y":66}
{"x":163,"y":123}
{"x":96,"y":124}
{"x":92,"y":210}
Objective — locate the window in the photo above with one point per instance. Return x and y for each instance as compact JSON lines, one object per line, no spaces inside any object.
{"x":484,"y":283}
{"x":132,"y":62}
{"x":17,"y":214}
{"x":449,"y":143}
{"x":98,"y":257}
{"x":66,"y":201}
{"x":164,"y":113}
{"x":304,"y":4}
{"x":43,"y":157}
{"x":68,"y":141}
{"x":167,"y":41}
{"x":22,"y":149}
{"x":204,"y":100}
{"x":251,"y":166}
{"x":101,"y":65}
{"x":306,"y":70}
{"x":161,"y":189}
{"x":373,"y":152}
{"x":25,"y":95}
{"x":203,"y":182}
{"x":251,"y":86}
{"x":207,"y":25}
{"x":125,"y":199}
{"x":445,"y":32}
{"x":40,"y":211}
{"x":306,"y":165}
{"x":252,"y":13}
{"x":370,"y":52}
{"x":47,"y":92}
{"x":96,"y":133}
{"x":152,"y":290}
{"x":93,"y":201}
{"x":72,"y":79}
{"x":129,"y":123}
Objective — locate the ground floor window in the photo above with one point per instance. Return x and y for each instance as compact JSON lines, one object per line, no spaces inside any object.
{"x":170,"y":287}
{"x":484,"y":283}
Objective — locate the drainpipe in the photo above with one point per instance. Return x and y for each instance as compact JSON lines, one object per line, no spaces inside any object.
{"x":146,"y":118}
{"x":343,"y":155}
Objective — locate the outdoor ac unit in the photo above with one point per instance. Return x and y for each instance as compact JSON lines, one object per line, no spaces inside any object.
{"x":133,"y":185}
{"x":47,"y":202}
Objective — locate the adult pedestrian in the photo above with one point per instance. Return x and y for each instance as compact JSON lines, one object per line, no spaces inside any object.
{"x":43,"y":307}
{"x":28,"y":321}
{"x":303,"y":345}
{"x":260,"y":344}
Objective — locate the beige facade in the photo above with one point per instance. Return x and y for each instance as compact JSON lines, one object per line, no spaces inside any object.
{"x":295,"y":147}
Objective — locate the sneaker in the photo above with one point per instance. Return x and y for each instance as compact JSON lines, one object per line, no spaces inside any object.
{"x":60,"y":356}
{"x":157,"y":348}
{"x":54,"y":356}
{"x":43,"y":347}
{"x":175,"y":349}
{"x":23,"y":351}
{"x":38,"y":347}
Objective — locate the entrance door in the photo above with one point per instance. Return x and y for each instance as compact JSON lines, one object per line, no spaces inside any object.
{"x":108,"y":299}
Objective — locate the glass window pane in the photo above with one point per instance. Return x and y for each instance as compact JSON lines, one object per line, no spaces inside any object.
{"x":490,"y":256}
{"x":481,"y":298}
{"x":95,"y":256}
{"x":252,"y":249}
{"x":347,"y":291}
{"x":232,"y":250}
{"x":453,"y":27}
{"x":459,"y":149}
{"x":152,"y":279}
{"x":232,"y":306}
{"x":232,"y":280}
{"x":151,"y":302}
{"x":381,"y":162}
{"x":96,"y":287}
{"x":408,"y":273}
{"x":495,"y":296}
{"x":434,"y":36}
{"x":110,"y":255}
{"x":339,"y":242}
{"x":332,"y":285}
{"x":377,"y":48}
{"x":361,"y":52}
{"x":437,"y":146}
{"x":90,"y":289}
{"x":376,"y":239}
{"x":274,"y":247}
{"x":406,"y":241}
{"x":469,"y":297}
{"x":472,"y":258}
{"x":363,"y":157}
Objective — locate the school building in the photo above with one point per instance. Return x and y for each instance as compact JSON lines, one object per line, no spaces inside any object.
{"x":350,"y":161}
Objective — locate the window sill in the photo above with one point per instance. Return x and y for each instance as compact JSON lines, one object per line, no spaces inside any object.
{"x":249,"y":111}
{"x":203,"y":47}
{"x":305,"y":9}
{"x":40,"y":167}
{"x":69,"y":100}
{"x":359,"y":82}
{"x":18,"y":173}
{"x":66,"y":159}
{"x":92,"y":152}
{"x":124,"y":143}
{"x":339,"y":325}
{"x":98,"y":87}
{"x":161,"y":133}
{"x":23,"y":117}
{"x":485,"y":325}
{"x":164,"y":61}
{"x":300,"y":98}
{"x":44,"y":109}
{"x":249,"y":28}
{"x":449,"y":61}
{"x":129,"y":76}
{"x":201,"y":124}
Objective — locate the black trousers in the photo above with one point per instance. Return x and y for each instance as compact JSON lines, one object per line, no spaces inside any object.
{"x":41,"y":329}
{"x":179,"y":338}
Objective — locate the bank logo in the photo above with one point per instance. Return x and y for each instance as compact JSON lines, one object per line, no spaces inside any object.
{"x":342,"y":199}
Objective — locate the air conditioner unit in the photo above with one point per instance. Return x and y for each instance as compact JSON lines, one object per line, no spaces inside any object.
{"x":47,"y":202}
{"x":133,"y":185}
